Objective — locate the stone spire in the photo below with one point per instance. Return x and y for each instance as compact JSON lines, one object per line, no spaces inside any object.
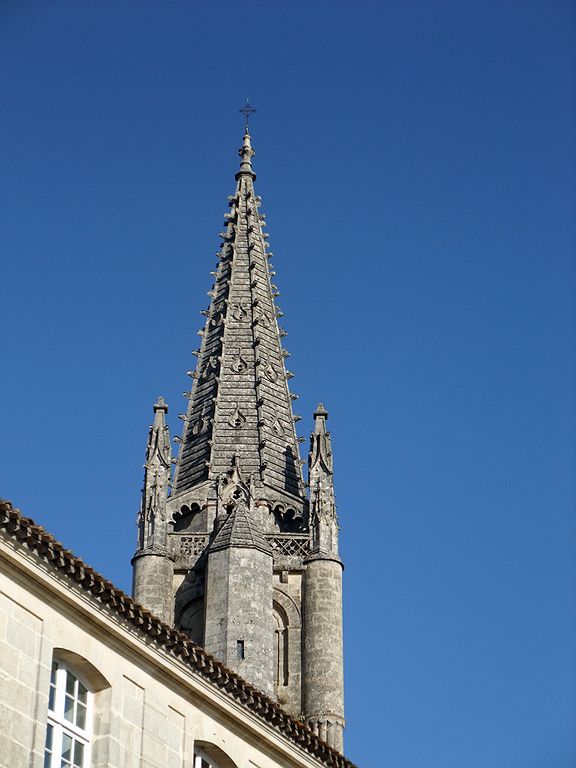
{"x":322,"y":668}
{"x":323,"y":520}
{"x":152,"y":516}
{"x":153,"y":567}
{"x":244,"y":563}
{"x":240,"y":408}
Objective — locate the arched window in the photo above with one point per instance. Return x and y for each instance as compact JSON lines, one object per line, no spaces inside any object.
{"x":69,"y":727}
{"x":208,"y":755}
{"x":280,"y":646}
{"x":287,"y":650}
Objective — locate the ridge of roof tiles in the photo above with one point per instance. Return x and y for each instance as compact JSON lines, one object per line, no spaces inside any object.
{"x":26,"y":532}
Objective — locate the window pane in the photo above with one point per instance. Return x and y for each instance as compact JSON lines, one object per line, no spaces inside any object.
{"x":81,"y":716}
{"x":66,"y":747}
{"x":68,"y":700}
{"x":70,"y":680}
{"x":69,"y":709}
{"x":48,"y":749}
{"x":52,"y":691}
{"x":82,"y":693}
{"x":78,"y":755}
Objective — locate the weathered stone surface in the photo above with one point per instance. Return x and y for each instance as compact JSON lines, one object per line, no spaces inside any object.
{"x":239,"y":611}
{"x":242,"y":559}
{"x":152,"y":578}
{"x":240,"y":530}
{"x":152,"y":568}
{"x":240,"y":376}
{"x":322,"y":645}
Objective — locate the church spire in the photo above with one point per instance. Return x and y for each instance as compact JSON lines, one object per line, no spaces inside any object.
{"x":250,"y":567}
{"x":240,"y":407}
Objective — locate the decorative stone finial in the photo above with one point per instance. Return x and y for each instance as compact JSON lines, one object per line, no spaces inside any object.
{"x":246,"y":153}
{"x":320,"y":418}
{"x":160,"y":405}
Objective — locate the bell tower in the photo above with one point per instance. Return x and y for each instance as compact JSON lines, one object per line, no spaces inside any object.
{"x":241,"y":558}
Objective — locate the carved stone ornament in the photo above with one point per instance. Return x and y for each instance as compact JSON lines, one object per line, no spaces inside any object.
{"x":232,"y":487}
{"x":238,"y":312}
{"x":237,"y":419}
{"x":198,"y":426}
{"x":263,"y":319}
{"x":239,"y":365}
{"x":277,"y":428}
{"x":271,"y":372}
{"x":191,"y":546}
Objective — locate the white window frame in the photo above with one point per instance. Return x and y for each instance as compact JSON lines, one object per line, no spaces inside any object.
{"x":61,"y":726}
{"x":201,"y":760}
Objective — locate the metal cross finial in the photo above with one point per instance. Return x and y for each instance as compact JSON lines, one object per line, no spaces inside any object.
{"x":247,"y":110}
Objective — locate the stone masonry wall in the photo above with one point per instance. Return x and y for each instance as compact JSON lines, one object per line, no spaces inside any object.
{"x":147,"y":712}
{"x":153,"y":577}
{"x":20,"y":667}
{"x":323,"y":689}
{"x":239,"y":609}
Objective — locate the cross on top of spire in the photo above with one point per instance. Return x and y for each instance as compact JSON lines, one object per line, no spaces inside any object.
{"x":247,"y":110}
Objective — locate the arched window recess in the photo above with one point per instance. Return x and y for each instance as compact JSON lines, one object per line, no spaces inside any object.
{"x":71,"y":697}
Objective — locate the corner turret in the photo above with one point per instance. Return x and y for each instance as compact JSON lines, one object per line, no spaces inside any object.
{"x":153,"y":566}
{"x":323,"y":520}
{"x":323,"y":681}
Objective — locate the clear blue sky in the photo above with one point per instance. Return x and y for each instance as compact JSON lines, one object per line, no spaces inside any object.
{"x":416,"y":162}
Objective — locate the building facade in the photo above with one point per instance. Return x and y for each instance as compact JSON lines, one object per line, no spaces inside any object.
{"x":91,"y":679}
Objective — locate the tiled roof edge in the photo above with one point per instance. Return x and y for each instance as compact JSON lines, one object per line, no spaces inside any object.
{"x":26,"y":532}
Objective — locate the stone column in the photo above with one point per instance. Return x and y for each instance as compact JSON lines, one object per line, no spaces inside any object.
{"x":153,"y":583}
{"x":323,"y":676}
